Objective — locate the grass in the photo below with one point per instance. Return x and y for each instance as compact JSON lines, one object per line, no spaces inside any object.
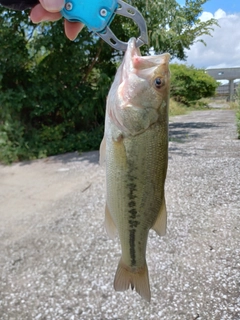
{"x":237,"y":104}
{"x":234,"y":105}
{"x":176,"y":108}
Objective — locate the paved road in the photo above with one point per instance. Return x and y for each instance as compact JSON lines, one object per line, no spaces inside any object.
{"x":56,"y":261}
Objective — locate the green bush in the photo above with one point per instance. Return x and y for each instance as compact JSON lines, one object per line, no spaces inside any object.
{"x":189,"y":84}
{"x":51,"y":100}
{"x":17,"y":146}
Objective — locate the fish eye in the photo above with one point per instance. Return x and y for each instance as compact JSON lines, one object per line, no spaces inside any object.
{"x":158,"y":82}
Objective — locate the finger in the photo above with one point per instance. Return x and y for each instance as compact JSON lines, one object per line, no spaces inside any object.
{"x":52,"y":5}
{"x":39,"y":14}
{"x":72,"y":29}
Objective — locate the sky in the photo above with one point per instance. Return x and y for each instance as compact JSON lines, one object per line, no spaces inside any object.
{"x":223,"y":48}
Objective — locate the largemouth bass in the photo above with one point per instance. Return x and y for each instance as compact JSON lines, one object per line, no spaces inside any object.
{"x":135,"y":148}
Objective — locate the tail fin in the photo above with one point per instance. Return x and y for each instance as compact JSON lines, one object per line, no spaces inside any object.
{"x":139,"y":280}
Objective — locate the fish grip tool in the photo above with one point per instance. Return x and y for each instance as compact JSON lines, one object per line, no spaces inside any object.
{"x":96,"y":15}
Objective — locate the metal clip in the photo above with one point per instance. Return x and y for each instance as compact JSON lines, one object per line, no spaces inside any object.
{"x":98,"y":14}
{"x":128,"y":11}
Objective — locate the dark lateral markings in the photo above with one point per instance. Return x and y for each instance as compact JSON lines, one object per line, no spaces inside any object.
{"x":131,"y":204}
{"x":132,"y":187}
{"x":132,"y":246}
{"x":133,"y":223}
{"x":132,"y":220}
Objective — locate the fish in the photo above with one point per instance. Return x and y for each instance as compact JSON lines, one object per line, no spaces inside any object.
{"x":135,"y":152}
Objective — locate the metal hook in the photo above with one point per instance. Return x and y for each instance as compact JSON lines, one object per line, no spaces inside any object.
{"x":128,"y":11}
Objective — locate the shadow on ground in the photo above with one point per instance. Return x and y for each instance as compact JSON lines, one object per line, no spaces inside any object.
{"x":68,"y":158}
{"x":180,"y":132}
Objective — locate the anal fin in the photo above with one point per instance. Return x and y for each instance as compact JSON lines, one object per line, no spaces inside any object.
{"x":160,"y":225}
{"x":109,"y":224}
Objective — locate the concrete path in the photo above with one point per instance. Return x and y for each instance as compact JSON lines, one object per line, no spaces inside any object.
{"x":56,"y":261}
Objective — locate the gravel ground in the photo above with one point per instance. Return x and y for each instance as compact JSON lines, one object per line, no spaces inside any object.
{"x":56,"y":261}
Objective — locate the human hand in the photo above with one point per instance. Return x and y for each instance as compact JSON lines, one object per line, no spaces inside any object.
{"x":48,"y":10}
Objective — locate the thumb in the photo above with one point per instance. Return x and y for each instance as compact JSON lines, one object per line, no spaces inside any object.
{"x":52,"y":5}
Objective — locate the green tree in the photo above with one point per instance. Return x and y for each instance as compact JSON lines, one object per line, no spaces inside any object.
{"x":53,"y":91}
{"x":173,"y":28}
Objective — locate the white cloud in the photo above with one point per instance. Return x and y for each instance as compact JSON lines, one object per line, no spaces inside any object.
{"x":206,"y":16}
{"x":223,"y":48}
{"x":220,"y":14}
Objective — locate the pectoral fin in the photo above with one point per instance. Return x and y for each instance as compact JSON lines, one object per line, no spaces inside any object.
{"x":160,"y":225}
{"x":102,"y":151}
{"x":109,"y":224}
